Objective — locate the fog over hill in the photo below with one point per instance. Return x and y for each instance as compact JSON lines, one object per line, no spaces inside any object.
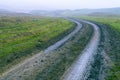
{"x":109,"y":11}
{"x":4,"y":12}
{"x":67,"y":12}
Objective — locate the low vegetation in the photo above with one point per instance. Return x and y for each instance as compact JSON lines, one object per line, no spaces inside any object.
{"x":21,"y":37}
{"x":113,"y":50}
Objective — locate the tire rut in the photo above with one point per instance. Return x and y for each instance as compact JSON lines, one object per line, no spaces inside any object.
{"x":80,"y":70}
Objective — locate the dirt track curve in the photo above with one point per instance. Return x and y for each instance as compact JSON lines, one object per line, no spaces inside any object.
{"x":80,"y":69}
{"x":28,"y":66}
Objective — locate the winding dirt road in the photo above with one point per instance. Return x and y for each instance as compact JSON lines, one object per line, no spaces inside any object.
{"x":27,"y":67}
{"x":81,"y":67}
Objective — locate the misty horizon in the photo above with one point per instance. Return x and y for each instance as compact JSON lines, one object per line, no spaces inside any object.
{"x":50,"y":5}
{"x":27,"y":11}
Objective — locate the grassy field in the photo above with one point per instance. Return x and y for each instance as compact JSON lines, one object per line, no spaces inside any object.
{"x":23,"y":36}
{"x":113,"y":50}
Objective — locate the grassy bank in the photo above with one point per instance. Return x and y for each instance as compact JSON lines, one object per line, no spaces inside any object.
{"x":23,"y":36}
{"x":113,"y":50}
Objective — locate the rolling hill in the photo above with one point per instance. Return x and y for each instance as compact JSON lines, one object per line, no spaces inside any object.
{"x":106,"y":11}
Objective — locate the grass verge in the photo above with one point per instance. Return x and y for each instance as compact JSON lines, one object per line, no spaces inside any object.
{"x":21,"y":37}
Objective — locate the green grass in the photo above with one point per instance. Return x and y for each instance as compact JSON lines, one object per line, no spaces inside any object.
{"x":113,"y":27}
{"x":22,"y":36}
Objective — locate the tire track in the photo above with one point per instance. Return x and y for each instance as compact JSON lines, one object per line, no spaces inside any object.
{"x":59,"y":43}
{"x":80,"y":69}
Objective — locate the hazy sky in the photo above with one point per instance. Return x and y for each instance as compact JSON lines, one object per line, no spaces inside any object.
{"x":20,"y":5}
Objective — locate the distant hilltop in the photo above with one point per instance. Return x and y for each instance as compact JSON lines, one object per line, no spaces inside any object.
{"x":4,"y":12}
{"x":67,"y":12}
{"x":106,"y":11}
